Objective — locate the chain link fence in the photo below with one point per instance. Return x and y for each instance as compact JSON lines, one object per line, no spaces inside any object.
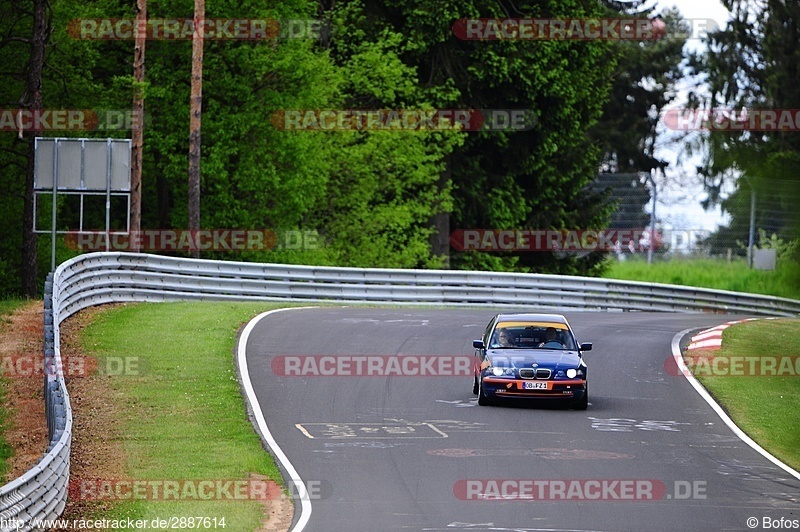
{"x":685,"y":229}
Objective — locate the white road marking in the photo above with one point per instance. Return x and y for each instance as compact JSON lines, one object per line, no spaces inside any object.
{"x":304,"y":431}
{"x":305,"y":501}
{"x":371,"y":431}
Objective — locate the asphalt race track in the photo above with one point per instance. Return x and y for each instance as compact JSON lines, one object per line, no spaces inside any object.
{"x":417,"y":452}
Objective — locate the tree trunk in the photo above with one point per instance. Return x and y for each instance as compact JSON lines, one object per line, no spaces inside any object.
{"x":33,"y":101}
{"x":137,"y":135}
{"x":196,"y":105}
{"x":440,"y":222}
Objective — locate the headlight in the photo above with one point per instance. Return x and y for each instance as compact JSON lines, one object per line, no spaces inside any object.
{"x":499,"y":372}
{"x":571,"y":373}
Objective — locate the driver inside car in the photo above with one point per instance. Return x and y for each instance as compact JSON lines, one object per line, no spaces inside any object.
{"x":551,"y":339}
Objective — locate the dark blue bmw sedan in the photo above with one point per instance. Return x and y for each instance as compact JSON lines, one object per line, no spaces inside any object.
{"x":530,"y":356}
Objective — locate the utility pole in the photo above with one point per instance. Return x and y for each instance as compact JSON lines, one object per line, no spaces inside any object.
{"x":652,"y":219}
{"x":752,"y":237}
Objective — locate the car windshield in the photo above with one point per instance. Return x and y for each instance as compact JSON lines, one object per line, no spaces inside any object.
{"x":532,"y":336}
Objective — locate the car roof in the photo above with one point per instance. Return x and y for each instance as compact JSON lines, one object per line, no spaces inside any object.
{"x":552,"y":318}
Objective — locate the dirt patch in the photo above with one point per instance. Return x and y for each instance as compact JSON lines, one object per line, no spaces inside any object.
{"x":97,"y":439}
{"x":21,"y":344}
{"x":278,"y":511}
{"x":97,"y":448}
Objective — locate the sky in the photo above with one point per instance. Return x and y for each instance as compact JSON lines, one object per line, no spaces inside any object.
{"x":678,"y":205}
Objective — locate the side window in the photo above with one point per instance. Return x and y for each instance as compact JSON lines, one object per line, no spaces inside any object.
{"x":487,"y":332}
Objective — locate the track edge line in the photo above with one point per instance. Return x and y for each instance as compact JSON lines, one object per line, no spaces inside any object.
{"x":261,"y":422}
{"x":684,"y":369}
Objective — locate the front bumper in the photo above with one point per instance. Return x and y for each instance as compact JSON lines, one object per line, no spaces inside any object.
{"x":567,"y":389}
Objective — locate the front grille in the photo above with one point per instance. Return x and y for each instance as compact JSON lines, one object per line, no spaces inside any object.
{"x":531,"y":373}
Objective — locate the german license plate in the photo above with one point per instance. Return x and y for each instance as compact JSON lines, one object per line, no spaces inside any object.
{"x":528,"y":385}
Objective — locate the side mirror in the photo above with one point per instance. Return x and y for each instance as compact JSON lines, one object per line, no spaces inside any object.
{"x":587,"y":346}
{"x":477,"y":344}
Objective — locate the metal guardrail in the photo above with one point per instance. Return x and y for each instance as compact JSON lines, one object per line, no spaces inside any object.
{"x":103,"y":277}
{"x":41,"y":493}
{"x":98,"y":278}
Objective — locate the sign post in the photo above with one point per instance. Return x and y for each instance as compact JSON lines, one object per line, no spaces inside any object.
{"x":82,"y":167}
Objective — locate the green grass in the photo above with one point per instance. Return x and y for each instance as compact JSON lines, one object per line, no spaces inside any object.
{"x":712,"y":273}
{"x":6,"y":451}
{"x":183,"y":417}
{"x":767,"y":408}
{"x":7,"y":307}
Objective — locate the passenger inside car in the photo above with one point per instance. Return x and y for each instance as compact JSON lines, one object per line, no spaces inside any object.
{"x":503,"y":338}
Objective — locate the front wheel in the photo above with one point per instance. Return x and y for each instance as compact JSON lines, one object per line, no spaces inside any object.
{"x":583,"y":404}
{"x":474,"y":385}
{"x":482,"y":399}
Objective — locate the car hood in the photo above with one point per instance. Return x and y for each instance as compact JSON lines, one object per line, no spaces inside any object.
{"x":543,"y":358}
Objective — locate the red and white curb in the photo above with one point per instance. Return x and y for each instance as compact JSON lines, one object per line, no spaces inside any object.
{"x":712,"y":338}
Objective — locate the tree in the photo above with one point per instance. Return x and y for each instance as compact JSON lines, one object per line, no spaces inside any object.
{"x":16,"y":28}
{"x":137,"y":133}
{"x":643,"y":85}
{"x":196,"y":111}
{"x":754,"y":64}
{"x":505,"y":179}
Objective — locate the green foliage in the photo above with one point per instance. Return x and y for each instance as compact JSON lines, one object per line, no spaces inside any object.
{"x":507,"y":180}
{"x":713,"y":273}
{"x":372,"y":196}
{"x":752,"y":64}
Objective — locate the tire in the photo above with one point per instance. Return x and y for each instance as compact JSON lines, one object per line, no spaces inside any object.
{"x":482,"y":399}
{"x":583,"y":404}
{"x":474,"y":385}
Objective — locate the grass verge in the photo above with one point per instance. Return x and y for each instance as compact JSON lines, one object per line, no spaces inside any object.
{"x":7,"y":307}
{"x":766,"y":407}
{"x":179,"y":409}
{"x":6,"y":452}
{"x":712,"y":273}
